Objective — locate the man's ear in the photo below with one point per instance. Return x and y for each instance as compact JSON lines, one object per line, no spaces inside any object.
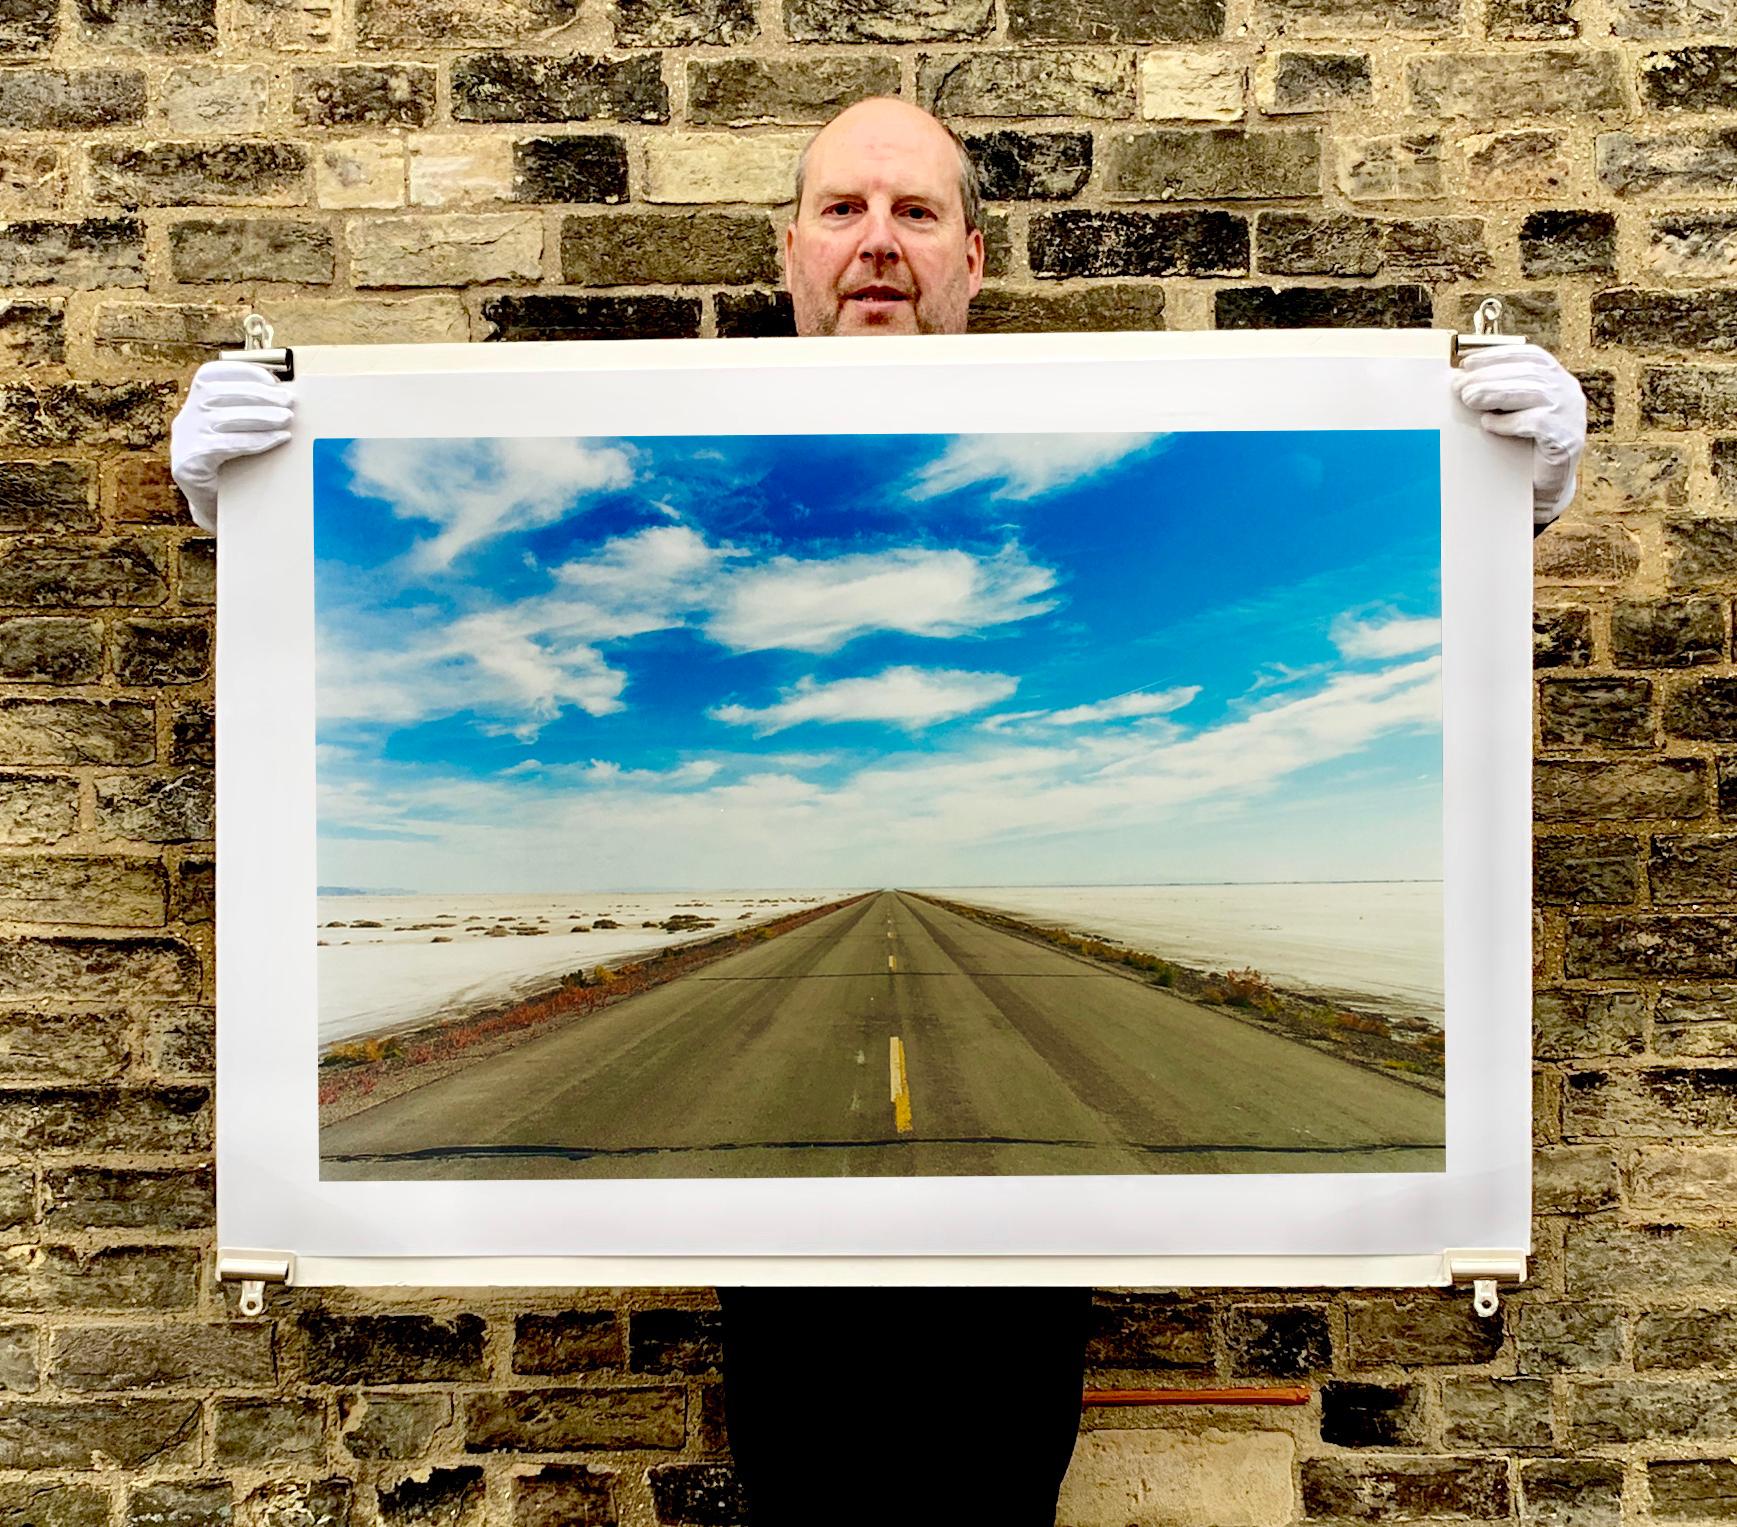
{"x":974,"y":260}
{"x":788,"y":248}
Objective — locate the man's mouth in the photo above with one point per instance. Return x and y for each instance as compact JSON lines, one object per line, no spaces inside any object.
{"x":877,"y":294}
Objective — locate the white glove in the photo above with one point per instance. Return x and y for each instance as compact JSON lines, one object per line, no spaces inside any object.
{"x":233,"y":408}
{"x":1524,"y":391}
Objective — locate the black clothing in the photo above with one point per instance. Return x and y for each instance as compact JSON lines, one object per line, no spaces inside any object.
{"x":930,"y":1407}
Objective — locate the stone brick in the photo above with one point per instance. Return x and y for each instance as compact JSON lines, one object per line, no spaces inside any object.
{"x":1570,"y":870}
{"x":1600,"y":389}
{"x":80,"y":100}
{"x":1022,"y":166}
{"x":1388,"y":167}
{"x":283,"y":1429}
{"x":28,"y":28}
{"x":572,"y":1341}
{"x":363,"y":95}
{"x":446,"y":1498}
{"x":1622,"y":475}
{"x":1336,"y":16}
{"x":1723,"y":459}
{"x":1702,"y":709}
{"x":1692,"y":247}
{"x":39,"y":1503}
{"x":1322,"y":307}
{"x":1700,"y":551}
{"x":210,"y":98}
{"x":17,"y":1198}
{"x":676,"y":23}
{"x":90,"y":253}
{"x":1571,"y":1492}
{"x":141,"y":491}
{"x":1425,"y":1329}
{"x":191,"y":736}
{"x":457,"y":249}
{"x":1438,"y":248}
{"x":1091,"y":309}
{"x":146,"y":1119}
{"x":157,"y":652}
{"x":1287,"y":1341}
{"x":162,"y":1357}
{"x":448,"y":23}
{"x":1690,"y":79}
{"x":1693,"y":868}
{"x":254,"y":248}
{"x":722,"y":167}
{"x":1685,"y":1339}
{"x":1561,"y":637}
{"x":1651,"y":1261}
{"x":1486,"y":85}
{"x":1138,"y":244}
{"x":1572,"y":1337}
{"x":1644,"y":320}
{"x":63,"y":888}
{"x":431,"y":318}
{"x":1483,"y":1413}
{"x":1211,"y":164}
{"x":1405,"y":1489}
{"x":1061,"y":82}
{"x":195,"y":1504}
{"x":1596,"y":712}
{"x":210,"y":172}
{"x":1693,"y":1489}
{"x":1287,"y":81}
{"x":746,"y":92}
{"x":61,"y":1279}
{"x":76,"y":732}
{"x":449,"y":169}
{"x":571,"y":1420}
{"x":1634,"y":1410}
{"x":181,"y":1042}
{"x":62,"y":1047}
{"x":196,"y":570}
{"x":1531,"y":20}
{"x":129,"y":1434}
{"x":171,"y":808}
{"x":1118,"y":1472}
{"x":47,"y":495}
{"x":675,"y":1341}
{"x":149,"y":26}
{"x":33,"y":333}
{"x":127,"y":1198}
{"x":283,"y":26}
{"x":997,"y":231}
{"x":302,"y":1503}
{"x":379,"y":1424}
{"x":50,"y":649}
{"x":576,"y":167}
{"x":1692,"y":163}
{"x":1577,"y":1023}
{"x":1191,"y":85}
{"x":360,"y":172}
{"x":193,"y":895}
{"x":391,"y":1349}
{"x":701,"y":1494}
{"x":1536,"y":314}
{"x":1567,"y":244}
{"x":523,"y":87}
{"x":19,"y":1374}
{"x":888,"y":20}
{"x":648,"y":249}
{"x":84,"y":413}
{"x":761,"y":315}
{"x":1584,"y":552}
{"x":1525,"y":163}
{"x":1696,"y":1023}
{"x":556,"y":315}
{"x":564,"y":1495}
{"x":1371,"y":1415}
{"x":163,"y":334}
{"x":1682,"y":946}
{"x":1149,"y":1332}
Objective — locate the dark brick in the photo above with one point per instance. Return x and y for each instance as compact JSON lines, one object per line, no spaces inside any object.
{"x":28,"y":28}
{"x":126,"y":1434}
{"x":1305,"y":243}
{"x":50,"y":649}
{"x":1693,"y":1489}
{"x":1278,"y":1341}
{"x":1109,"y":21}
{"x":1149,"y":1331}
{"x":1215,"y":163}
{"x":1689,"y":163}
{"x":33,"y":333}
{"x":127,"y":1198}
{"x":1696,"y":1024}
{"x":1727,"y":784}
{"x":676,"y":23}
{"x":1370,"y":1415}
{"x":1369,"y":15}
{"x":447,"y":1498}
{"x":1704,"y":320}
{"x":1089,"y":309}
{"x":1693,"y":867}
{"x":78,"y":571}
{"x":1139,"y":244}
{"x":1688,"y":397}
{"x":157,"y":652}
{"x":392,"y":1349}
{"x":520,"y":87}
{"x":556,"y":315}
{"x":1589,"y":552}
{"x":1596,"y":712}
{"x":1683,"y":947}
{"x":1724,"y":461}
{"x":1691,"y":79}
{"x":152,"y":1120}
{"x":1423,"y":1329}
{"x":283,"y":1429}
{"x":1531,"y":20}
{"x":1671,"y":633}
{"x":40,"y":1503}
{"x":76,"y":731}
{"x":1600,"y":390}
{"x":20,"y":1373}
{"x":1588,"y":790}
{"x":697,"y":1494}
{"x":381,"y":1424}
{"x":89,"y":1358}
{"x":887,"y":20}
{"x":1575,"y":1023}
{"x":1484,"y":1413}
{"x":450,"y":23}
{"x":141,"y":491}
{"x":1404,"y":1489}
{"x":1568,"y":1338}
{"x":1567,"y":243}
{"x":743,"y":92}
{"x":150,"y":26}
{"x":571,"y":1420}
{"x":572,"y":168}
{"x":1630,"y":1410}
{"x":85,"y":413}
{"x":650,"y":248}
{"x":1024,"y":83}
{"x":192,"y":737}
{"x":1323,"y":307}
{"x":572,"y":1341}
{"x":214,"y":172}
{"x":194,"y":897}
{"x":1024,"y":166}
{"x":172,"y":808}
{"x":1567,"y":870}
{"x":1703,"y":709}
{"x":47,"y":495}
{"x":564,"y":1495}
{"x":1319,"y":81}
{"x":63,"y":1047}
{"x":754,"y":315}
{"x":98,"y":969}
{"x":1685,"y":1339}
{"x":1561,"y":637}
{"x":195,"y":1504}
{"x":265,"y":248}
{"x":675,"y":1341}
{"x":1700,"y":551}
{"x":363,"y":95}
{"x":75,"y":888}
{"x":1571,"y":1492}
{"x":1485,"y":85}
{"x":196,"y":570}
{"x":60,"y":100}
{"x":61,"y":1279}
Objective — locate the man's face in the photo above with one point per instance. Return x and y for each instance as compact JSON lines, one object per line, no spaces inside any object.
{"x":879,"y":245}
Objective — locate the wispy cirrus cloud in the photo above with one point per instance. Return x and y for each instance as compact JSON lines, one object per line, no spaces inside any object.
{"x":906,"y":697}
{"x":1136,"y":703}
{"x":1386,"y":637}
{"x":1023,"y":466}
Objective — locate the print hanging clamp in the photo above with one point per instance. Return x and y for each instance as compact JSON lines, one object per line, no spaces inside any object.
{"x":1485,"y":1271}
{"x":1486,"y":330}
{"x":253,"y":1270}
{"x":257,"y":349}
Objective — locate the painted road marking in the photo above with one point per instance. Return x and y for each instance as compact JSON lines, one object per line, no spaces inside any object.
{"x":901,"y":1090}
{"x":892,"y":962}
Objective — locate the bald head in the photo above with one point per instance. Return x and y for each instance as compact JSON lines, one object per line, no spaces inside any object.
{"x":884,"y":238}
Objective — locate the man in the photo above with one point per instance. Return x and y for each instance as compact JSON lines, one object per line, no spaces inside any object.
{"x":923,"y":1405}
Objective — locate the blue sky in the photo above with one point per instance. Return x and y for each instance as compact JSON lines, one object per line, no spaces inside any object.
{"x":735,"y":661}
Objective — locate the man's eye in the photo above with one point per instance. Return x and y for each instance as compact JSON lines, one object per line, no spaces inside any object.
{"x":837,"y":206}
{"x":918,"y":212}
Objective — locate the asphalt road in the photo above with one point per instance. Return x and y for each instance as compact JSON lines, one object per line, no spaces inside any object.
{"x":892,"y":1037}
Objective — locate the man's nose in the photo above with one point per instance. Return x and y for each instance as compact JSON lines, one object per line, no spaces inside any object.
{"x":880,"y":243}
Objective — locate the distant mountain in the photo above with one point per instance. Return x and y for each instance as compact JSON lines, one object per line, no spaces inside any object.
{"x":361,"y":890}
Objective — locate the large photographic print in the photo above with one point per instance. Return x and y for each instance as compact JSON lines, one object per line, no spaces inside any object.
{"x":770,"y":806}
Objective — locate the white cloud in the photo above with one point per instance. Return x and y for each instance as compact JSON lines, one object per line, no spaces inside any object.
{"x":1024,"y":465}
{"x":905,"y":697}
{"x":1394,"y":636}
{"x":1123,"y":707}
{"x":819,"y":605}
{"x":477,"y":489}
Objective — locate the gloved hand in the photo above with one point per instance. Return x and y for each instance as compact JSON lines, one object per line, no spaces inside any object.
{"x":233,"y":408}
{"x":1524,"y":391}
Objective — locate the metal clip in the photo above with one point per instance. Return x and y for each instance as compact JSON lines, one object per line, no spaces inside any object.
{"x":1484,"y":1270}
{"x":1486,"y":330}
{"x":253,"y":1270}
{"x":257,"y":348}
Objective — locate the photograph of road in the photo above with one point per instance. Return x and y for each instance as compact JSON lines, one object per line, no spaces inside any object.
{"x":789,"y":806}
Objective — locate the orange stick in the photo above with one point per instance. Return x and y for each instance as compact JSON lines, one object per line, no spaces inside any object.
{"x":1286,"y":1394}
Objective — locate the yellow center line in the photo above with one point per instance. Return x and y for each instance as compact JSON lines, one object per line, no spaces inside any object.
{"x":900,"y":1088}
{"x":892,"y":962}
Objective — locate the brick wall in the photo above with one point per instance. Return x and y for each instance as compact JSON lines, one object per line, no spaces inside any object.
{"x":517,"y":169}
